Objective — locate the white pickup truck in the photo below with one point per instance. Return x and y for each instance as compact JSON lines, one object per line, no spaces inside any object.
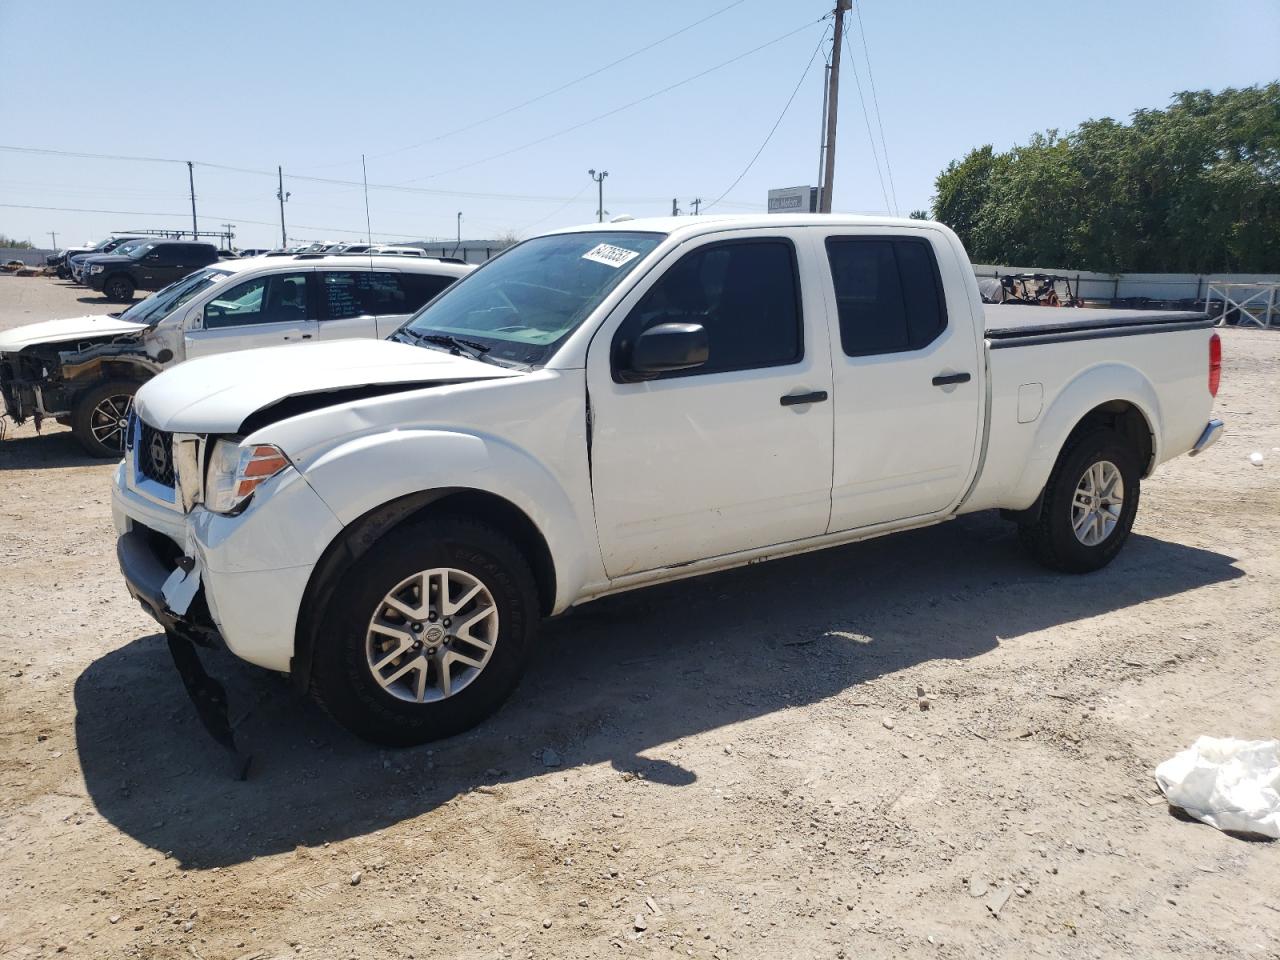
{"x":611,"y":406}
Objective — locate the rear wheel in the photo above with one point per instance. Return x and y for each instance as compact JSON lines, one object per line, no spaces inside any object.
{"x":118,"y":288}
{"x":430,"y":632}
{"x":100,"y":417}
{"x":1088,"y":506}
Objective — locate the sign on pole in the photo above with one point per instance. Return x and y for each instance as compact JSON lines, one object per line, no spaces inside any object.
{"x":793,"y":200}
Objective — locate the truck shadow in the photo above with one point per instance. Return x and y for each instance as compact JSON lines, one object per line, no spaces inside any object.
{"x":616,"y":679}
{"x":55,"y":448}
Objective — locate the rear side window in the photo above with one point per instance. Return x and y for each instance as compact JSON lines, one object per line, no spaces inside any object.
{"x":745,"y":293}
{"x":888,"y":294}
{"x":421,"y":287}
{"x":357,"y":293}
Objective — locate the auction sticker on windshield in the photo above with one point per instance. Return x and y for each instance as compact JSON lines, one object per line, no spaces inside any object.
{"x":610,"y":255}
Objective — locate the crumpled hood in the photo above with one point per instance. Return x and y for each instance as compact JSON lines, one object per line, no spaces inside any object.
{"x":217,"y":394}
{"x":60,"y":331}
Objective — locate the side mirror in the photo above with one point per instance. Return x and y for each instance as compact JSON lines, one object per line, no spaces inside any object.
{"x":668,"y":347}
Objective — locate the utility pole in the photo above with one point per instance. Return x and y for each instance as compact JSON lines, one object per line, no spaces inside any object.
{"x":459,"y":242}
{"x":191,"y":179}
{"x":695,"y":203}
{"x":368,"y":225}
{"x":833,"y":99}
{"x":675,"y":211}
{"x":230,"y":233}
{"x":282,"y":197}
{"x":600,"y":192}
{"x":822,"y":130}
{"x":54,"y":235}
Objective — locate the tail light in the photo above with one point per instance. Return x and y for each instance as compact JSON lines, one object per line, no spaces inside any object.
{"x":1215,"y":364}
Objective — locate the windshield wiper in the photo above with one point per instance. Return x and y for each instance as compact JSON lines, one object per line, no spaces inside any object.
{"x":456,"y":345}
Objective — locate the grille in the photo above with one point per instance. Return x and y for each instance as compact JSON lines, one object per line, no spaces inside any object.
{"x":154,"y":454}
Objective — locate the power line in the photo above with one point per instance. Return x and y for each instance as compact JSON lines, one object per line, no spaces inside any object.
{"x":772,"y":130}
{"x":875,"y":100}
{"x":562,"y":87}
{"x":619,"y":109}
{"x":153,"y":213}
{"x":562,"y":206}
{"x":875,"y":155}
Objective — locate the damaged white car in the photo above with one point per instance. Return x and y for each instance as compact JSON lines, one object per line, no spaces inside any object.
{"x":83,"y":372}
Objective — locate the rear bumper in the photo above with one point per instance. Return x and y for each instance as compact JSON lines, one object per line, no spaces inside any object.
{"x":1209,"y":436}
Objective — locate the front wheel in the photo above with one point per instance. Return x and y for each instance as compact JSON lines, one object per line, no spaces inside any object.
{"x":100,"y":418}
{"x":118,"y":288}
{"x":430,"y":632}
{"x":1088,"y":506}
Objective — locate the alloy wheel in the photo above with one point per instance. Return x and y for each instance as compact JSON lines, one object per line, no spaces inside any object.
{"x":110,"y":419}
{"x":432,"y":635}
{"x":1097,"y":503}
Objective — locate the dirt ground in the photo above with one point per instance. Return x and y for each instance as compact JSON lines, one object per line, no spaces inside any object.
{"x":731,"y":767}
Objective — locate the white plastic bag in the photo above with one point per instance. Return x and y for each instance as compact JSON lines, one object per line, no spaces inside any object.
{"x":1227,"y":783}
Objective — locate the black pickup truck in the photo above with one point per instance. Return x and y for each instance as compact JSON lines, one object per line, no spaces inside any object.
{"x":150,"y":266}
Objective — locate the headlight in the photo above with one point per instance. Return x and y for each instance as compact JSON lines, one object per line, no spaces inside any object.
{"x":97,"y":268}
{"x":235,"y":471}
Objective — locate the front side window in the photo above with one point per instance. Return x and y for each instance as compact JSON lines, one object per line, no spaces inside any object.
{"x":888,"y":294}
{"x":744,"y":293}
{"x":523,"y":304}
{"x":281,"y":298}
{"x":164,"y":302}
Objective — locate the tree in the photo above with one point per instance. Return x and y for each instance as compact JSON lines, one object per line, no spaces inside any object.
{"x":7,"y":241}
{"x":1191,"y":188}
{"x":919,"y":214}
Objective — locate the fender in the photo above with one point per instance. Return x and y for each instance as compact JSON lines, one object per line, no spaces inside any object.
{"x":367,"y":472}
{"x":1091,"y":388}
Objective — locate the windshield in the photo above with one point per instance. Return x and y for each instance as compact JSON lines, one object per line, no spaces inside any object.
{"x":136,"y":250}
{"x":160,"y":304}
{"x":522,"y":305}
{"x":127,"y":248}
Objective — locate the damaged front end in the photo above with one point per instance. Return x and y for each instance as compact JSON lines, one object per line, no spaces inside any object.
{"x":43,"y":381}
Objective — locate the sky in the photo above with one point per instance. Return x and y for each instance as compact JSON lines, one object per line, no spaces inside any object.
{"x":499,"y":110}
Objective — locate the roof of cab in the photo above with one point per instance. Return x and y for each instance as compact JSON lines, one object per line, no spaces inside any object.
{"x":710,"y":222}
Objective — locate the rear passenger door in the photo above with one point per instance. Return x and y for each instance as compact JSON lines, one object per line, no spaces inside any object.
{"x":265,"y":311}
{"x":347,"y":304}
{"x":905,"y":356}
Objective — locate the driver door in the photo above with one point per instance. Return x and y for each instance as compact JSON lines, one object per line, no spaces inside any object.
{"x":734,"y":454}
{"x":266,"y":311}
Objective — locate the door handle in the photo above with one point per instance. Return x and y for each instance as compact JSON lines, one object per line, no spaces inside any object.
{"x":945,"y":379}
{"x":792,"y":399}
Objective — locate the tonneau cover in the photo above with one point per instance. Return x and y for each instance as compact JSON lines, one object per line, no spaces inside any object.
{"x":1012,"y":320}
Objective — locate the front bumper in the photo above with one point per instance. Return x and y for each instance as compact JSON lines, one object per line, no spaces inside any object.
{"x":253,"y":569}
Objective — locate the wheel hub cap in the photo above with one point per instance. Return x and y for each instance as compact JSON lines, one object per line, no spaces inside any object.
{"x":1097,"y":503}
{"x":432,"y":635}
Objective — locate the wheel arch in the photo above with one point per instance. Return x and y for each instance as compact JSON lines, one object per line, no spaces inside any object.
{"x":1116,"y":396}
{"x":360,"y":536}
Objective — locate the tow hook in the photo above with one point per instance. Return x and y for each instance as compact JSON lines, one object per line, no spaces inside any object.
{"x":209,"y":697}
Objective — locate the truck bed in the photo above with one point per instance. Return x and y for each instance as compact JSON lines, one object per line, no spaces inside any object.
{"x":1012,"y":325}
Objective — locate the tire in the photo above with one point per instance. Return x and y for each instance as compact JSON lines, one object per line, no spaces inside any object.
{"x":63,"y":273}
{"x":343,"y":678}
{"x":1051,"y":535}
{"x":118,"y":288}
{"x":90,"y":417}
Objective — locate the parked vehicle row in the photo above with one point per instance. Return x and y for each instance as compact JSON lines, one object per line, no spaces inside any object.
{"x":605,"y":407}
{"x":84,"y":371}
